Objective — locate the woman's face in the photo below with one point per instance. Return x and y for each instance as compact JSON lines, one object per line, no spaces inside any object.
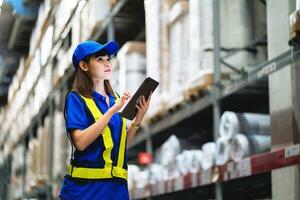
{"x":99,"y":67}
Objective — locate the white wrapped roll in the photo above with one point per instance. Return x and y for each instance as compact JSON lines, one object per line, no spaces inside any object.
{"x":169,"y":150}
{"x":246,"y":145}
{"x":189,"y":161}
{"x":248,"y":123}
{"x":209,"y":151}
{"x":197,"y":160}
{"x":222,"y":151}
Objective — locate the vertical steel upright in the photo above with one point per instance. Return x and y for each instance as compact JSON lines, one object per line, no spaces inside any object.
{"x":111,"y":30}
{"x":216,"y":87}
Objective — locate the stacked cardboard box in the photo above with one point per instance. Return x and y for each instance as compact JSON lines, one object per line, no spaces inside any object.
{"x":132,"y":64}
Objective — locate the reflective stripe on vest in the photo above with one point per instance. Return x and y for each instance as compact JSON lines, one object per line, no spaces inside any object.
{"x":109,"y":171}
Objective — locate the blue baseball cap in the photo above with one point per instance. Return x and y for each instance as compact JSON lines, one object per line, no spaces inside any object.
{"x":88,"y":48}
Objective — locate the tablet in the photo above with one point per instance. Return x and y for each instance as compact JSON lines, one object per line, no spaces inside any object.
{"x":148,"y":85}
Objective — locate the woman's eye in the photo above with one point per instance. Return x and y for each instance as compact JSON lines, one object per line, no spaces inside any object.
{"x":102,"y":59}
{"x":99,"y":59}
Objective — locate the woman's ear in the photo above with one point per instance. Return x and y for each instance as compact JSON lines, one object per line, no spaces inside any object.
{"x":83,"y":66}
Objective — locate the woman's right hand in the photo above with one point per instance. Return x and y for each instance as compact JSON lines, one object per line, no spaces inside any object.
{"x":120,"y":103}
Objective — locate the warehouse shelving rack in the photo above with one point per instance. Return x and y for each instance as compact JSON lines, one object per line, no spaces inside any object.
{"x":252,"y":172}
{"x":247,"y":170}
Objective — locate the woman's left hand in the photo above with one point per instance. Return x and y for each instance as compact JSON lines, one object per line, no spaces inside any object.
{"x":142,"y":107}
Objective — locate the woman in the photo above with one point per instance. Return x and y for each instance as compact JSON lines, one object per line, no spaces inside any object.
{"x":98,"y":168}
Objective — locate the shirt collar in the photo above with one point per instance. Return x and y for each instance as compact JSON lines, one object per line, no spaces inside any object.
{"x":100,"y":96}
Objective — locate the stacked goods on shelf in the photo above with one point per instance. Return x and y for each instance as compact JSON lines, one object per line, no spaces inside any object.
{"x":14,"y":86}
{"x":260,"y":31}
{"x":132,"y":65}
{"x":62,"y":15}
{"x":201,"y":38}
{"x":157,"y":50}
{"x":37,"y":158}
{"x":38,"y":30}
{"x":31,"y":165}
{"x":223,"y":150}
{"x":61,"y":152}
{"x":43,"y":157}
{"x":76,"y":30}
{"x":209,"y":153}
{"x":189,"y":161}
{"x":61,"y":146}
{"x":115,"y":79}
{"x":84,"y":29}
{"x":171,"y":161}
{"x":246,"y":145}
{"x":91,"y":18}
{"x":236,"y":30}
{"x":46,"y":45}
{"x":63,"y":63}
{"x":153,"y":39}
{"x":16,"y":181}
{"x":178,"y":49}
{"x":96,"y":17}
{"x":112,"y":3}
{"x":242,"y":134}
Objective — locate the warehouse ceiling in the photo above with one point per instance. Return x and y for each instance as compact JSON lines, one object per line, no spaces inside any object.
{"x":17,"y":19}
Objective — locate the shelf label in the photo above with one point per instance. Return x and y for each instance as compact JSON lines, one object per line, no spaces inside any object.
{"x":244,"y":167}
{"x":206,"y":177}
{"x":194,"y":179}
{"x":267,"y":70}
{"x":179,"y":183}
{"x":292,"y":151}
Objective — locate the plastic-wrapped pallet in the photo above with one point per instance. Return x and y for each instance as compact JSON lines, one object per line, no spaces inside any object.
{"x":201,"y":32}
{"x":157,"y":51}
{"x":260,"y":30}
{"x":46,"y":45}
{"x":153,"y":40}
{"x":75,"y":31}
{"x":132,"y":64}
{"x":84,"y":29}
{"x":115,"y":80}
{"x":236,"y":30}
{"x":37,"y":31}
{"x":179,"y":46}
{"x":96,"y":18}
{"x":62,"y":15}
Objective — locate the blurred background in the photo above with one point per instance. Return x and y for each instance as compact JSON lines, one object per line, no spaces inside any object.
{"x":224,"y":122}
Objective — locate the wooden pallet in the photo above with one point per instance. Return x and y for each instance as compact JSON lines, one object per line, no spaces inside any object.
{"x":198,"y":87}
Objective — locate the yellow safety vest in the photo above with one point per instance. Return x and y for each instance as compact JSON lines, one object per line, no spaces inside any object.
{"x":109,"y":170}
